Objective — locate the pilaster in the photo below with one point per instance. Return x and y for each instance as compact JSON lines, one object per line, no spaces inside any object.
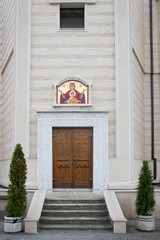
{"x":120,"y":167}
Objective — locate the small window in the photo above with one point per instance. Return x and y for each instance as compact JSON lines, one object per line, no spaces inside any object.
{"x":72,"y":18}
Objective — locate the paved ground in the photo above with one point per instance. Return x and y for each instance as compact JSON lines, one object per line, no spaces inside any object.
{"x":132,"y":234}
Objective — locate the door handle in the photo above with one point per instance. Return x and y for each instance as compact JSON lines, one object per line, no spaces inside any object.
{"x":74,"y":161}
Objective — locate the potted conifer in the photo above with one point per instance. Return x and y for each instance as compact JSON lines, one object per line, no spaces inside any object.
{"x":17,"y":196}
{"x":145,"y":200}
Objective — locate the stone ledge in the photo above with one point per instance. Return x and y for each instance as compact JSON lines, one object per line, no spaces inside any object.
{"x":34,"y":211}
{"x":72,"y":105}
{"x":73,"y":1}
{"x":115,"y":212}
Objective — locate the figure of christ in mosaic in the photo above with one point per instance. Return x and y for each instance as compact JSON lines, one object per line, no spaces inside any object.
{"x":72,"y":96}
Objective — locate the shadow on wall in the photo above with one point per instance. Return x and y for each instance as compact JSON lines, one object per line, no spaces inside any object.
{"x":127,"y":200}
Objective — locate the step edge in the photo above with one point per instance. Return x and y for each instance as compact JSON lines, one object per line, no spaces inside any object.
{"x":78,"y":211}
{"x":67,"y":225}
{"x":74,"y":204}
{"x":74,"y":218}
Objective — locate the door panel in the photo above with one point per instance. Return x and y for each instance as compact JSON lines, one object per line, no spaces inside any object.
{"x":62,"y":164}
{"x":72,"y":157}
{"x":81,"y":140}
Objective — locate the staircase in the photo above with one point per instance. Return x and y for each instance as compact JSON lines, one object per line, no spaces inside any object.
{"x":78,"y":214}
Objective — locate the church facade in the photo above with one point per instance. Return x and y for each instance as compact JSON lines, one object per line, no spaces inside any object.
{"x":80,"y":91}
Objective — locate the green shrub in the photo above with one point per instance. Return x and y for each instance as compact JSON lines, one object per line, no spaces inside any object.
{"x":145,"y":200}
{"x":17,"y":196}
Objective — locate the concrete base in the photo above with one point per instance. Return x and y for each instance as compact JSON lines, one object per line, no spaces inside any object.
{"x":119,"y":227}
{"x":145,"y":223}
{"x":12,"y":224}
{"x":31,"y":227}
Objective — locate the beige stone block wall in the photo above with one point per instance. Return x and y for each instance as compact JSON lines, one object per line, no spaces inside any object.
{"x":0,"y":79}
{"x":137,"y":30}
{"x":141,"y":78}
{"x":7,"y":77}
{"x":156,"y":62}
{"x":31,"y":173}
{"x":57,"y":54}
{"x":138,"y":118}
{"x":159,"y":34}
{"x":137,"y":66}
{"x":4,"y":171}
{"x":138,"y":95}
{"x":89,"y":55}
{"x":7,"y":85}
{"x":146,"y":36}
{"x":7,"y":110}
{"x":156,"y":119}
{"x":156,"y":40}
{"x":15,"y":84}
{"x":158,"y":98}
{"x":127,"y":202}
{"x":8,"y":25}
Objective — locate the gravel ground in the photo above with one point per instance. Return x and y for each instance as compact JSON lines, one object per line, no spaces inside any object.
{"x":132,"y":234}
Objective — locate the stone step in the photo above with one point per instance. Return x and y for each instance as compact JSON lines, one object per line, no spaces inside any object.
{"x":68,"y":201}
{"x":75,"y":213}
{"x":75,"y":206}
{"x":75,"y":227}
{"x":75,"y":220}
{"x":61,"y":213}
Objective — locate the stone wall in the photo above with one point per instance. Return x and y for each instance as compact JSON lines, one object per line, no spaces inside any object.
{"x":0,"y":80}
{"x":87,"y":54}
{"x":127,"y":200}
{"x":156,"y":59}
{"x":137,"y":35}
{"x":58,"y":54}
{"x":141,"y":77}
{"x":159,"y":34}
{"x":7,"y":84}
{"x":137,"y":30}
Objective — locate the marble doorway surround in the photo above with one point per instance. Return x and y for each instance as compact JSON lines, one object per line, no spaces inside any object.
{"x":96,"y":119}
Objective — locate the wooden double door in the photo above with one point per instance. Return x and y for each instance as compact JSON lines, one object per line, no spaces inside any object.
{"x":72,"y":157}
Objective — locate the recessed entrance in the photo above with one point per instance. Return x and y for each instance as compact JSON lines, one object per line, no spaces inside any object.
{"x":96,"y":120}
{"x":72,"y":157}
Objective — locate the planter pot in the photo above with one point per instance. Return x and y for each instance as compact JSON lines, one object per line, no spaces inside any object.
{"x":12,"y":224}
{"x":145,"y":223}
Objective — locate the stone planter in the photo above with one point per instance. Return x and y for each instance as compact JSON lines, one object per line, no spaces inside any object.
{"x":145,"y":223}
{"x":12,"y":224}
